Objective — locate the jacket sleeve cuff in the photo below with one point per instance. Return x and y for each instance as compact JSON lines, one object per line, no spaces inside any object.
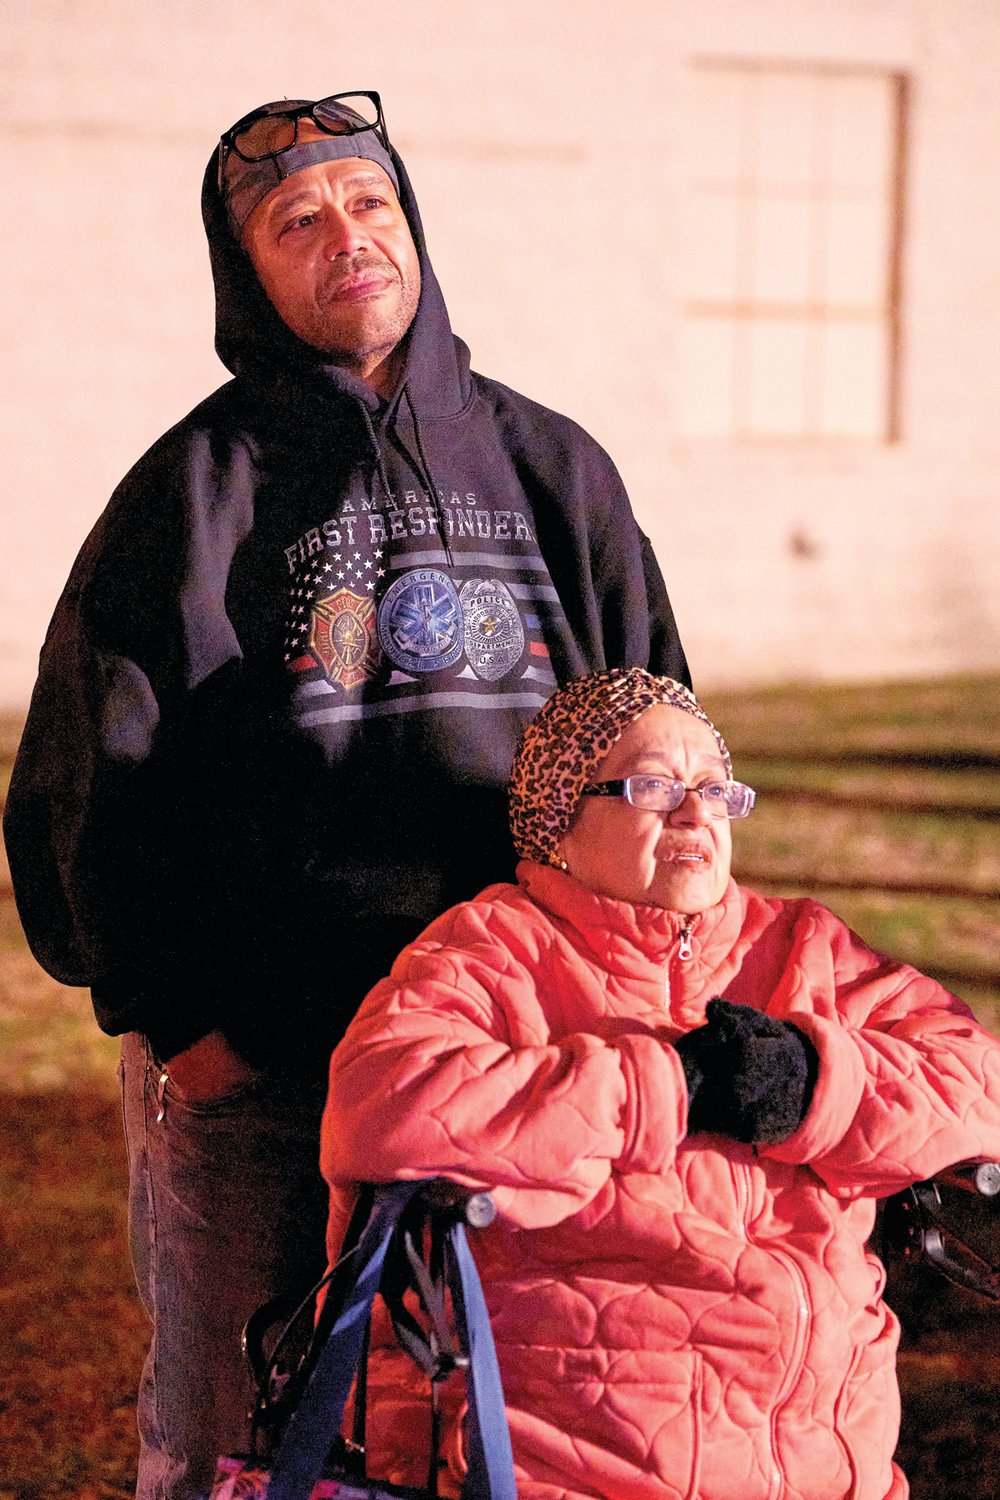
{"x":840,"y":1083}
{"x":654,"y":1115}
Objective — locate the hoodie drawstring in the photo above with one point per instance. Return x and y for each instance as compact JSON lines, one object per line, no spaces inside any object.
{"x":377,"y":450}
{"x":428,"y":476}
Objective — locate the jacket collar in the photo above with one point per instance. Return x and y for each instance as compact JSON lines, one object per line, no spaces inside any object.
{"x":627,"y":938}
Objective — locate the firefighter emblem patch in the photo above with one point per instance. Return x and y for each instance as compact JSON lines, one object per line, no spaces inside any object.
{"x":494,"y":635}
{"x":342,"y":637}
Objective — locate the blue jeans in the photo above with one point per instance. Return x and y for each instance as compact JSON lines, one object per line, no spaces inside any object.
{"x":226,"y":1209}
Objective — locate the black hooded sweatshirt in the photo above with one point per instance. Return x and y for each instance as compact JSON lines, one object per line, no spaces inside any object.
{"x":279,"y":697}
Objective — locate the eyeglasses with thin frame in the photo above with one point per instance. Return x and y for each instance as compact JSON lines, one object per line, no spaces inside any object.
{"x":273,"y":128}
{"x":724,"y":799}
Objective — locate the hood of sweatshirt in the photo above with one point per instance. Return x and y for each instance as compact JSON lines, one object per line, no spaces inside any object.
{"x":254,"y":343}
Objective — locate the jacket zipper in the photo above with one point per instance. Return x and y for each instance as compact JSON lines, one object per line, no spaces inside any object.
{"x":797,"y":1361}
{"x":684,"y":952}
{"x":741,"y":1180}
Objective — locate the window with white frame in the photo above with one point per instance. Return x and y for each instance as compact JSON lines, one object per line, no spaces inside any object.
{"x":790,"y":323}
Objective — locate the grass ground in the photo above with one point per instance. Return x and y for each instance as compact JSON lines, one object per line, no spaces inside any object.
{"x":883,"y":799}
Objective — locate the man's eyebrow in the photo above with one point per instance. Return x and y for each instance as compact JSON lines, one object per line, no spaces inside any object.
{"x":281,"y":202}
{"x":368,"y":179}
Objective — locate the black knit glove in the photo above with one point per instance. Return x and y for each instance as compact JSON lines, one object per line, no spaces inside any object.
{"x":749,"y":1076}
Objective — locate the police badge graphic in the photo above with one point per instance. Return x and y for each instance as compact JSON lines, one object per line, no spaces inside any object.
{"x":494,"y":635}
{"x":342,"y":637}
{"x":420,"y":621}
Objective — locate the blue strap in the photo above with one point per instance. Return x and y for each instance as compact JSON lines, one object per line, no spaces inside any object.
{"x":491,"y":1463}
{"x":315,"y":1423}
{"x":317,"y":1419}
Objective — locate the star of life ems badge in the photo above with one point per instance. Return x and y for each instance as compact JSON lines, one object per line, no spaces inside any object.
{"x":342,"y":637}
{"x":494,"y":635}
{"x":420,"y":621}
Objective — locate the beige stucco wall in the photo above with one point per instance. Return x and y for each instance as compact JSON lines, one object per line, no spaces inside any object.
{"x":546,"y":140}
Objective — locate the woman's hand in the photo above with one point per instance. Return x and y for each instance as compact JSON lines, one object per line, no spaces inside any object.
{"x":749,"y":1076}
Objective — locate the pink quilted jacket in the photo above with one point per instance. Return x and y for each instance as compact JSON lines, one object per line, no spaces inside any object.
{"x":674,"y":1317}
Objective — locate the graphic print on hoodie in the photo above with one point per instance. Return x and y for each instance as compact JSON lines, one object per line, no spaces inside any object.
{"x":429,"y":602}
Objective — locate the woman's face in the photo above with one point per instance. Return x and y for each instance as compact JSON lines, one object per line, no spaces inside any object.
{"x":678,"y":860}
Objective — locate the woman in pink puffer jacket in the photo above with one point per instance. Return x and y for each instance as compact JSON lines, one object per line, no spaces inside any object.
{"x":686,"y":1099}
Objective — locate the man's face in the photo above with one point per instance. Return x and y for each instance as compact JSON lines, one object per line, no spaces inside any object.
{"x":334,"y":253}
{"x":678,"y":860}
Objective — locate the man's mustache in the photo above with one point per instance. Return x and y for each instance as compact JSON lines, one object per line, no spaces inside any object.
{"x":358,"y":265}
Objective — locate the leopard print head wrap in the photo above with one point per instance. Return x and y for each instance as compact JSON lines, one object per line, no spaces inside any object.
{"x":569,"y":739}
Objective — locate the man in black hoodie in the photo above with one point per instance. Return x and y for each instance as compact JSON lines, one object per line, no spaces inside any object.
{"x":276,"y":711}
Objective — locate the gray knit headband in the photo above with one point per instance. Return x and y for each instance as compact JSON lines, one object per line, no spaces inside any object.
{"x":248,"y":183}
{"x":569,"y":739}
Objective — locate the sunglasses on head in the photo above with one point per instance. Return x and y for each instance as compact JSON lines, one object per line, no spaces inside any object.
{"x":273,"y":128}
